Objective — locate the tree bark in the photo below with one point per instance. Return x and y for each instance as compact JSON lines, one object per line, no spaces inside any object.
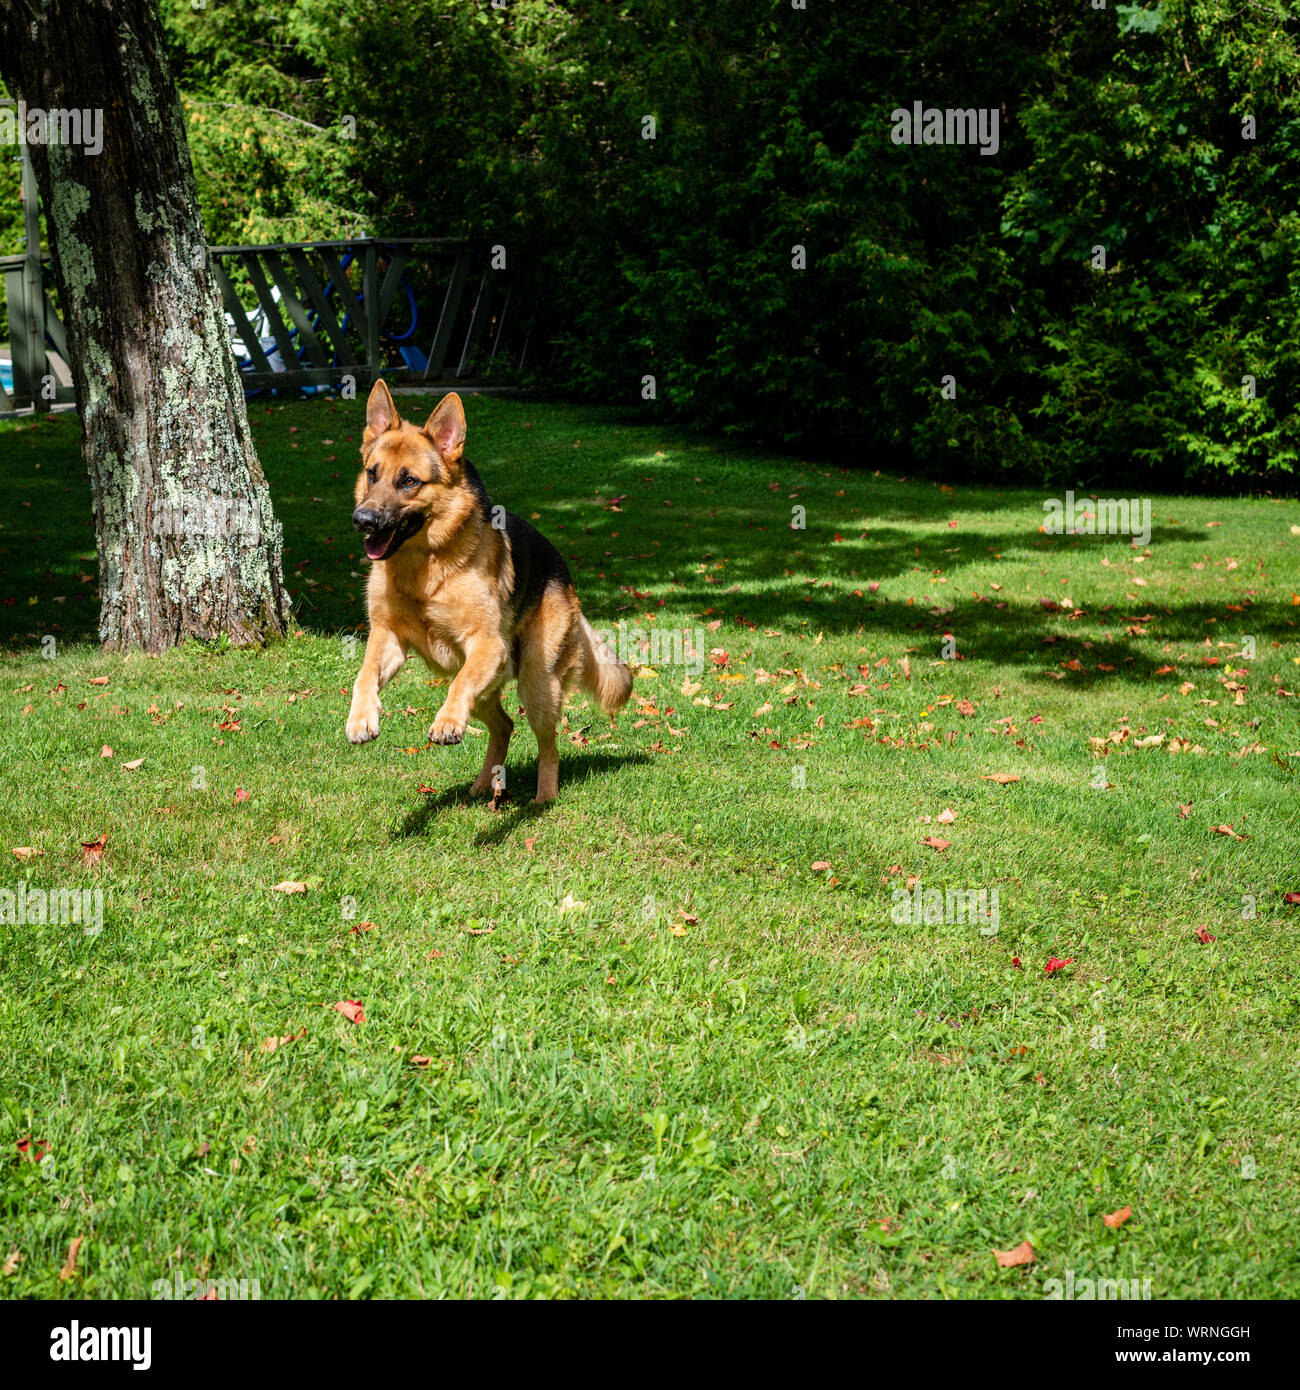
{"x":188,"y":542}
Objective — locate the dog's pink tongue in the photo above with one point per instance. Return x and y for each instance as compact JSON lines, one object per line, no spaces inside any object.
{"x":376,"y":545}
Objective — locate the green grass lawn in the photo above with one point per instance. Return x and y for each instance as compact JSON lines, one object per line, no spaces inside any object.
{"x":662,"y":1052}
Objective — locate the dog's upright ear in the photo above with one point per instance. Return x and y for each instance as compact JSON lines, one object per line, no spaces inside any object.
{"x":381,"y":413}
{"x":446,"y":427}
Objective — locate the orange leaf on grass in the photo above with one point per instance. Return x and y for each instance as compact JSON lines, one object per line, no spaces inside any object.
{"x":241,"y":795}
{"x":270,"y":1044}
{"x":1205,"y":936}
{"x":351,"y":1010}
{"x":1001,"y":778}
{"x":1227,"y":830}
{"x":1184,"y":811}
{"x":1118,"y":1218}
{"x":1023,"y":1254}
{"x":92,"y":851}
{"x":820,"y":864}
{"x":935,"y":843}
{"x":74,"y":1247}
{"x":1292,"y":898}
{"x":289,"y":886}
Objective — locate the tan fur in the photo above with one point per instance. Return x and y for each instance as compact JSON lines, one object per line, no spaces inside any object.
{"x":445,"y":592}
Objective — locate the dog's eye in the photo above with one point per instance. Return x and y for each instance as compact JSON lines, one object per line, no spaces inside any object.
{"x":372,"y":474}
{"x":407,"y":481}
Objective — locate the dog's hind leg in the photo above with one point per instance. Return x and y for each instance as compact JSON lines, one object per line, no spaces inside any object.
{"x":500,"y":726}
{"x":543,"y":696}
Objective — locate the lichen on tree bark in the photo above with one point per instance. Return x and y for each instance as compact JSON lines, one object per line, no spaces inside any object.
{"x":187,"y":537}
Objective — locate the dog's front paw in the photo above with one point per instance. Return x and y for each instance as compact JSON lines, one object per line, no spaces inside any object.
{"x":446,"y":729}
{"x":363,"y":725}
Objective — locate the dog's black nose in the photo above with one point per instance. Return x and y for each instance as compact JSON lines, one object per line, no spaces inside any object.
{"x":367,"y":519}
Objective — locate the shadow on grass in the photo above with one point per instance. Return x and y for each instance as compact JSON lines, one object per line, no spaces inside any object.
{"x":732,"y":527}
{"x":499,"y":825}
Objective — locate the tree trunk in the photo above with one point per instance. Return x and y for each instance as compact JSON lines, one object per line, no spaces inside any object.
{"x":188,"y":543}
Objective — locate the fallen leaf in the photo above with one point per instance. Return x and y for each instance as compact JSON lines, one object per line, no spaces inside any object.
{"x":1205,"y":936}
{"x":1023,"y":1254}
{"x":92,"y":851}
{"x":934,"y":842}
{"x":360,"y":927}
{"x":351,"y":1010}
{"x":570,"y":904}
{"x":131,"y":766}
{"x":677,"y":929}
{"x":241,"y":795}
{"x":529,"y":843}
{"x":820,"y":864}
{"x":1001,"y":778}
{"x":946,"y":816}
{"x":289,"y":886}
{"x":270,"y":1044}
{"x":421,"y":1061}
{"x":11,"y":1263}
{"x":98,"y":680}
{"x":1185,"y":811}
{"x":1227,"y":830}
{"x":74,"y":1248}
{"x":1118,"y":1218}
{"x":1292,"y":898}
{"x":26,"y":852}
{"x":1054,"y":964}
{"x":106,"y":752}
{"x":965,"y":707}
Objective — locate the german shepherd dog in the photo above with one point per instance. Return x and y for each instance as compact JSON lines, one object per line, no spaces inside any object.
{"x":473,"y":589}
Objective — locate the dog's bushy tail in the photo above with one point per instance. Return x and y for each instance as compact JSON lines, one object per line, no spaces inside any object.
{"x":603,"y":674}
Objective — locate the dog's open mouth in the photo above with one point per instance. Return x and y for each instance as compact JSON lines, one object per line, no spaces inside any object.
{"x":381,"y":544}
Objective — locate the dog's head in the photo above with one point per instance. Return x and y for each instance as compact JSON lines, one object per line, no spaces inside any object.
{"x":406,"y":471}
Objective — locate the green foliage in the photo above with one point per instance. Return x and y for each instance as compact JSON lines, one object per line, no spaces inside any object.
{"x":672,"y":257}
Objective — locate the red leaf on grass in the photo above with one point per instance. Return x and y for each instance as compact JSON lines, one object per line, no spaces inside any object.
{"x":1205,"y":936}
{"x":351,"y":1010}
{"x":1184,"y":811}
{"x":1291,"y":898}
{"x":241,"y":795}
{"x":1054,"y":964}
{"x":92,"y":851}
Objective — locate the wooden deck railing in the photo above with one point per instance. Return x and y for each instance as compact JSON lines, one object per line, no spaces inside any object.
{"x":308,"y":315}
